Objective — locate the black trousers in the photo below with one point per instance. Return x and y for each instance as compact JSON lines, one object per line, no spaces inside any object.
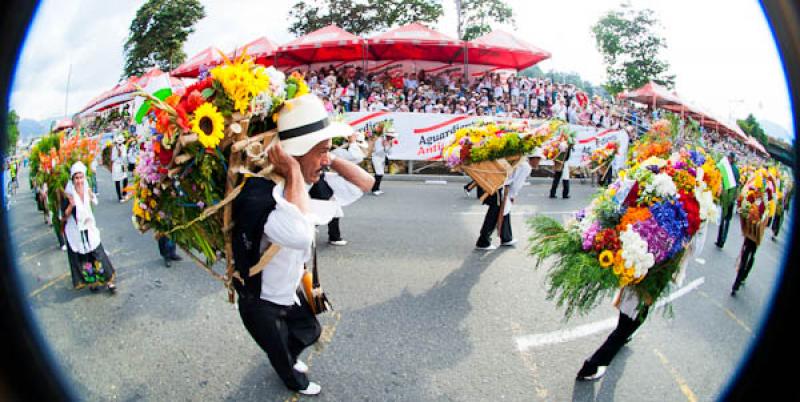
{"x":777,"y":221}
{"x":283,"y":332}
{"x":554,"y":186}
{"x":334,"y":234}
{"x":746,"y":260}
{"x":490,"y":222}
{"x":120,"y":191}
{"x":166,"y":247}
{"x":606,"y":179}
{"x":626,"y":326}
{"x":724,"y":225}
{"x":377,"y":185}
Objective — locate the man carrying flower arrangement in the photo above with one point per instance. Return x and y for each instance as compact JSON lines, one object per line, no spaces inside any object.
{"x":757,"y":203}
{"x":272,"y":309}
{"x":634,"y":238}
{"x":730,"y":189}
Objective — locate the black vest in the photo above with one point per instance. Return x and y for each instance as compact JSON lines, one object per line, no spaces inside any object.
{"x":250,"y":212}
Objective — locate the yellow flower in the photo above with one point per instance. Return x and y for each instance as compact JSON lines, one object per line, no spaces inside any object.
{"x":606,"y":258}
{"x":208,"y":123}
{"x":241,"y":82}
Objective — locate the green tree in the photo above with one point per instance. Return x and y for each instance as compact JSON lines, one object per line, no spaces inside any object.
{"x":12,"y":130}
{"x":566,"y":78}
{"x":359,"y":17}
{"x":630,"y":49}
{"x":752,"y":128}
{"x":157,"y":34}
{"x":474,"y":16}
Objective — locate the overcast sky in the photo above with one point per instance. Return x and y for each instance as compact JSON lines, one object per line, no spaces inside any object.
{"x":721,"y":51}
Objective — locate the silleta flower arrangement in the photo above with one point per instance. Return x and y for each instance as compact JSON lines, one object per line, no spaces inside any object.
{"x":488,"y":151}
{"x":757,"y":202}
{"x":602,"y":157}
{"x":52,"y":158}
{"x":206,"y":141}
{"x":634,"y":233}
{"x":488,"y":141}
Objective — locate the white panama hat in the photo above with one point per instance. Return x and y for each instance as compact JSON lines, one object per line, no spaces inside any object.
{"x":303,"y":123}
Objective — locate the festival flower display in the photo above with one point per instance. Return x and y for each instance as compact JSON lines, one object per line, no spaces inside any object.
{"x":634,"y":233}
{"x":757,"y":203}
{"x":560,"y":139}
{"x":602,"y":157}
{"x":657,"y":142}
{"x":206,"y":141}
{"x":488,"y":151}
{"x":52,"y":158}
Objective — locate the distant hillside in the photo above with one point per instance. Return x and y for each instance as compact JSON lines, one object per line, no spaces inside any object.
{"x":29,"y":128}
{"x":777,"y":131}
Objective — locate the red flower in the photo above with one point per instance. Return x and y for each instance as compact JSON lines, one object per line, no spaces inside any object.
{"x":192,"y":101}
{"x":692,"y":208}
{"x":165,"y":156}
{"x":199,"y":86}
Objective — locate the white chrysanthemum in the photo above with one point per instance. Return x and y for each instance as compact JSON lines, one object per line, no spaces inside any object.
{"x":662,"y":186}
{"x":634,"y":252}
{"x":708,"y":210}
{"x":277,"y":82}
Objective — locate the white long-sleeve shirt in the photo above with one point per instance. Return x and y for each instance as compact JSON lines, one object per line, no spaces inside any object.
{"x":289,"y":228}
{"x":516,"y":181}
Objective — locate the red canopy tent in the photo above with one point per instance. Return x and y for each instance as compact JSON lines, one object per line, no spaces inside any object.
{"x":502,"y":49}
{"x":711,"y":122}
{"x":323,"y":45}
{"x":262,"y":50}
{"x":415,"y":42}
{"x":208,"y":57}
{"x":652,"y":94}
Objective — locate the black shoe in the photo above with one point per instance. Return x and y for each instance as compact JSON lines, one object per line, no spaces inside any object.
{"x":590,"y":372}
{"x":552,"y":196}
{"x":564,"y":197}
{"x":167,"y":262}
{"x":176,"y":257}
{"x":719,"y":245}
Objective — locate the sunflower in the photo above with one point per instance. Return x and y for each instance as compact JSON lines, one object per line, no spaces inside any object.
{"x":208,"y":123}
{"x":606,"y":258}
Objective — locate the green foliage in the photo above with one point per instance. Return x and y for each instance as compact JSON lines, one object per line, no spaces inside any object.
{"x":12,"y":131}
{"x":575,"y":277}
{"x":571,"y":78}
{"x":630,"y":49}
{"x":752,"y":128}
{"x":476,"y":16}
{"x":157,"y":34}
{"x":577,"y":280}
{"x":359,"y":17}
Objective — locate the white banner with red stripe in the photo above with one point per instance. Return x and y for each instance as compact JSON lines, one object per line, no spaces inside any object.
{"x":422,"y":136}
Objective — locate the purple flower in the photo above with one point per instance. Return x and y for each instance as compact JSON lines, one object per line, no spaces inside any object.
{"x":671,"y":217}
{"x":200,"y":204}
{"x":698,"y":158}
{"x":653,"y":168}
{"x":658,"y":241}
{"x":588,"y":236}
{"x":580,"y":215}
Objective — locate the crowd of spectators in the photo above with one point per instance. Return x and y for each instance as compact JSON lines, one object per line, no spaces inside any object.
{"x":513,"y":96}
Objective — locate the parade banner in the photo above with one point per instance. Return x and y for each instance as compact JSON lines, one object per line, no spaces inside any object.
{"x":422,"y":136}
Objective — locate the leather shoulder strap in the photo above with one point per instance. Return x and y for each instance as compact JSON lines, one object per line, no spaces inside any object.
{"x":266,"y":257}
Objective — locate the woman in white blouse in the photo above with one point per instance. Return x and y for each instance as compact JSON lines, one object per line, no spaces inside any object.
{"x":89,"y":263}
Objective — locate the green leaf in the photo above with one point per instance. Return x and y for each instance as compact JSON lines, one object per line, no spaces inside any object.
{"x":207,"y":93}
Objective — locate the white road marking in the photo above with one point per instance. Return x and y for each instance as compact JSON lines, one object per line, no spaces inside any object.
{"x":435,"y":181}
{"x":538,"y":340}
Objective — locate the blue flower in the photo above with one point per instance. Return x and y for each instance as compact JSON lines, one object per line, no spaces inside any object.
{"x":671,"y":217}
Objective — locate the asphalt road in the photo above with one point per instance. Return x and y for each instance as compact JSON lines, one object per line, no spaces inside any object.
{"x":420,"y":315}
